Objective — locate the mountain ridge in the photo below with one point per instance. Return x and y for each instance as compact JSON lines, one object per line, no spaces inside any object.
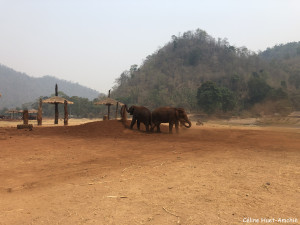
{"x":18,"y":88}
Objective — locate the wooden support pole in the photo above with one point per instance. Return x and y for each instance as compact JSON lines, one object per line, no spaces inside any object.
{"x":56,"y":106}
{"x":39,"y":114}
{"x":25,"y":117}
{"x":108,"y":111}
{"x":56,"y":113}
{"x":66,"y":118}
{"x":117,"y":106}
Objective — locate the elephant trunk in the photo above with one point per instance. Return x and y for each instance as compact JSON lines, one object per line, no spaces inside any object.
{"x":187,"y":126}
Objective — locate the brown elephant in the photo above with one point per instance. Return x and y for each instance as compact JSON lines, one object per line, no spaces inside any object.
{"x":139,"y":114}
{"x":169,"y":115}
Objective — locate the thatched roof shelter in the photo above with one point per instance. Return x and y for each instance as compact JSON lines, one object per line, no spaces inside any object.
{"x":109,"y":101}
{"x":57,"y":99}
{"x":12,"y":111}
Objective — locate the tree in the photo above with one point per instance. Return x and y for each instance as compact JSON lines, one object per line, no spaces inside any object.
{"x":228,"y":100}
{"x":257,"y":89}
{"x":294,"y":79}
{"x":209,"y":97}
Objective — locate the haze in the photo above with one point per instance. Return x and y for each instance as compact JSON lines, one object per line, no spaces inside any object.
{"x":93,"y":42}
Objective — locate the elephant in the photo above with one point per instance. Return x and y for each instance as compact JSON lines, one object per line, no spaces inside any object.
{"x":169,"y":115}
{"x":139,"y":114}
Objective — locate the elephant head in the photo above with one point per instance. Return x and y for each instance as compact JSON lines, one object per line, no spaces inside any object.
{"x":130,"y":110}
{"x":182,"y":117}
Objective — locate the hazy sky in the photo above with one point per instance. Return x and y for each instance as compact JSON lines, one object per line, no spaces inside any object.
{"x":93,"y":41}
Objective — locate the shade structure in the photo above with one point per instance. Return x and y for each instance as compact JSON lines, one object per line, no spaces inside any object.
{"x":12,"y":113}
{"x":109,"y":101}
{"x":56,"y":99}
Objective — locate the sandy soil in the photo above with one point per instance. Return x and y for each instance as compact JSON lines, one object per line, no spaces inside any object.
{"x":104,"y":173}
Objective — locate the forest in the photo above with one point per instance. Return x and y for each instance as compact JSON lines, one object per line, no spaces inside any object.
{"x":203,"y":74}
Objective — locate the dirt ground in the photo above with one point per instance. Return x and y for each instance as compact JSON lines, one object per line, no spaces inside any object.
{"x":104,"y":173}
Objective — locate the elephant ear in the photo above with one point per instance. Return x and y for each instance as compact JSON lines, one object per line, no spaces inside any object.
{"x":179,"y":111}
{"x":131,"y":110}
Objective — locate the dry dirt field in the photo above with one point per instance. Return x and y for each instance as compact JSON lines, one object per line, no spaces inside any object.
{"x":104,"y":173}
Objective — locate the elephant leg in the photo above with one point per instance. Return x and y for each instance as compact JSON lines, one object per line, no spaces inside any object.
{"x":170,"y":127}
{"x":152,"y":127}
{"x":138,"y":123}
{"x":176,"y":127}
{"x":158,"y":128}
{"x":147,"y":127}
{"x":132,"y":122}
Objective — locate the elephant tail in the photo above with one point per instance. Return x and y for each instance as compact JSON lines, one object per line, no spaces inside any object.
{"x":151,"y":123}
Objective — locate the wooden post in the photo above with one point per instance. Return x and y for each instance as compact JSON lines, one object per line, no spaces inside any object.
{"x":56,"y":113}
{"x":66,"y":118}
{"x":108,"y":111}
{"x":56,"y":90}
{"x":25,"y":117}
{"x":39,"y":114}
{"x":117,"y":110}
{"x":56,"y":106}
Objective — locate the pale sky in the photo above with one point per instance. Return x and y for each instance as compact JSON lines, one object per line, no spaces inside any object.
{"x":93,"y":41}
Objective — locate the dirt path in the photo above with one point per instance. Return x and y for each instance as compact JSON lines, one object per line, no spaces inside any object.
{"x":102,"y":173}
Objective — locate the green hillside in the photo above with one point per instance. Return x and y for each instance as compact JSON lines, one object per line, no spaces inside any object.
{"x":174,"y":74}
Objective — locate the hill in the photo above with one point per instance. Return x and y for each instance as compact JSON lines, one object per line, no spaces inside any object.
{"x":174,"y":73}
{"x":19,"y":88}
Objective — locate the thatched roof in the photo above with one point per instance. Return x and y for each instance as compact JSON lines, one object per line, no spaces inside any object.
{"x":12,"y":111}
{"x":108,"y":101}
{"x":57,"y":99}
{"x":29,"y":111}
